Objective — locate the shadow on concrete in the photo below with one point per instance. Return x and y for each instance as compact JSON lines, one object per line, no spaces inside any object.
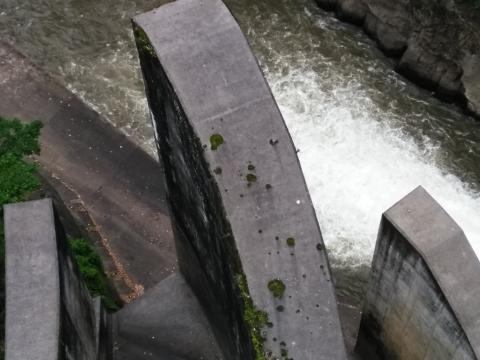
{"x":166,"y":323}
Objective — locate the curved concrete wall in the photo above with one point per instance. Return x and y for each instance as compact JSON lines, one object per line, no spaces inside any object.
{"x":49,"y":312}
{"x":236,"y":189}
{"x":423,"y":300}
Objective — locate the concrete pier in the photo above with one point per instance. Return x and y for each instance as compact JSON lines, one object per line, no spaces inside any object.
{"x":423,"y":300}
{"x":248,"y":240}
{"x":49,"y":312}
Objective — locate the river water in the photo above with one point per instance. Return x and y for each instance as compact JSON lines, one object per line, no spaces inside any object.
{"x":366,"y":136}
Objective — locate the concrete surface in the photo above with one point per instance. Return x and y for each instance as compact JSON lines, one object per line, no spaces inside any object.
{"x":202,"y":79}
{"x":49,"y":312}
{"x":166,"y":323}
{"x":97,"y":169}
{"x":29,"y":248}
{"x":423,"y":300}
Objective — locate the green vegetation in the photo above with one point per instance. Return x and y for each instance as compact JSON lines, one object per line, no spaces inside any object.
{"x":251,"y":178}
{"x":277,"y":287}
{"x":215,"y":141}
{"x":143,"y":43}
{"x":255,"y":319}
{"x":90,"y":266}
{"x":291,"y":241}
{"x":17,"y":181}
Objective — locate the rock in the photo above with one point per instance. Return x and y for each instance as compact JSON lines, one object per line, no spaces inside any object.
{"x":471,"y":82}
{"x":389,"y":40}
{"x":370,"y":25}
{"x":353,"y":11}
{"x":327,"y":4}
{"x":450,"y":84}
{"x":437,"y":43}
{"x":417,"y":65}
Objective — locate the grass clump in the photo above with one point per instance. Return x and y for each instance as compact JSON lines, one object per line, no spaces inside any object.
{"x":255,"y":319}
{"x":91,"y":269}
{"x":291,"y":241}
{"x":216,"y":140}
{"x":277,"y":287}
{"x":251,"y":178}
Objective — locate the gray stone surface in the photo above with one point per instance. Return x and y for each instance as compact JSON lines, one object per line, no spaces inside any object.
{"x":32,"y":326}
{"x":423,"y":300}
{"x":49,"y":312}
{"x":202,"y":79}
{"x":166,"y":323}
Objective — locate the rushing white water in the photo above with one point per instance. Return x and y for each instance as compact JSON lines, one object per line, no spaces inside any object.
{"x":357,"y":167}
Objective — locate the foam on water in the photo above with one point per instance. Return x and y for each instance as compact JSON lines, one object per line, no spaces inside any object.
{"x":356,"y":165}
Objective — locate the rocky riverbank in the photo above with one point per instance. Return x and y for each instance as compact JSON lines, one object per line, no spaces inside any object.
{"x":437,"y":43}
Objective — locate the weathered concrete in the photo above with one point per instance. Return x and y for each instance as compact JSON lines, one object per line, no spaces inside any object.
{"x":423,"y":300}
{"x":166,"y":323}
{"x":49,"y":312}
{"x":95,"y":169}
{"x":202,"y":80}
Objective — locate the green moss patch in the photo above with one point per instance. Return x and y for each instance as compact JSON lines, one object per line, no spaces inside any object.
{"x":91,"y":269}
{"x":255,"y":319}
{"x":143,"y":43}
{"x":251,"y":178}
{"x":291,"y":241}
{"x":216,"y":140}
{"x":277,"y":287}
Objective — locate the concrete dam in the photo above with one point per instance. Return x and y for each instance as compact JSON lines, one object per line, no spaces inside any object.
{"x":255,"y":277}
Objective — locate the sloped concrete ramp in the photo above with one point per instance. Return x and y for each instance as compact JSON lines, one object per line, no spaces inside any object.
{"x":166,"y":323}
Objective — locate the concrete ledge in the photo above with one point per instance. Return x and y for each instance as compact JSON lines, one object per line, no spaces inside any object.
{"x":236,"y":189}
{"x":423,"y":300}
{"x":32,"y":320}
{"x":49,"y":312}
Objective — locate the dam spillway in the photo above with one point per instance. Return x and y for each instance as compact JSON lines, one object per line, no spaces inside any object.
{"x":357,"y":124}
{"x":417,"y":140}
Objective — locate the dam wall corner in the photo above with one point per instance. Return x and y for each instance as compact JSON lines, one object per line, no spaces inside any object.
{"x":423,"y":298}
{"x":247,"y":237}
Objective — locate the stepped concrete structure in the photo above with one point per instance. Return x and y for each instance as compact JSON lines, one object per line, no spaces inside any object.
{"x":423,"y":300}
{"x":246,"y":233}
